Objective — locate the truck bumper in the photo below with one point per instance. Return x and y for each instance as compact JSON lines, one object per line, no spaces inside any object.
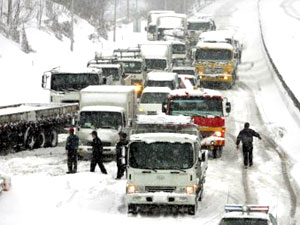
{"x":161,"y":198}
{"x":220,"y":78}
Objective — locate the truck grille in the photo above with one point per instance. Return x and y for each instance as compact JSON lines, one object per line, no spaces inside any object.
{"x":160,"y":189}
{"x":210,"y":70}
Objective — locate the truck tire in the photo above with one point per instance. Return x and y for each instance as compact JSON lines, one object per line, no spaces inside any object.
{"x":41,"y":140}
{"x":132,"y":209}
{"x":29,"y":138}
{"x":53,"y":138}
{"x":192,"y":210}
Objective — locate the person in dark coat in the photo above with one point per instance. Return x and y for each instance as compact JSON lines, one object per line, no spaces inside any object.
{"x":121,"y":146}
{"x":72,"y":148}
{"x":246,"y":137}
{"x":97,"y":154}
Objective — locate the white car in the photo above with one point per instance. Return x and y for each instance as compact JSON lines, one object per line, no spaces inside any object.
{"x":152,"y":98}
{"x":188,"y":81}
{"x":248,"y":215}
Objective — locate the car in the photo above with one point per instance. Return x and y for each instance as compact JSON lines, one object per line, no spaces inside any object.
{"x":247,"y":214}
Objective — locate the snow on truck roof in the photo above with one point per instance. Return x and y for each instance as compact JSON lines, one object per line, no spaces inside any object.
{"x":161,"y":76}
{"x":201,"y":92}
{"x":164,"y":137}
{"x":100,"y":66}
{"x":102,"y":109}
{"x":214,"y":45}
{"x":157,"y":90}
{"x":183,"y":68}
{"x":199,"y":20}
{"x":109,"y":88}
{"x":74,"y":69}
{"x":245,"y":215}
{"x":164,"y":119}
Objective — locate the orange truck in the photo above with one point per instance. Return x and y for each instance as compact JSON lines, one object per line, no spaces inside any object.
{"x":208,"y":109}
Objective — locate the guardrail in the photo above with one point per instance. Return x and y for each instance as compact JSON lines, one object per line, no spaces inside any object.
{"x":279,"y":75}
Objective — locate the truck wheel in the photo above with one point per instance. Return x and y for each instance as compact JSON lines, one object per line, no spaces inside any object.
{"x":214,"y":151}
{"x":53,"y":138}
{"x":132,"y":209}
{"x":192,"y":210}
{"x":30,"y":142}
{"x":41,"y":140}
{"x":220,"y":150}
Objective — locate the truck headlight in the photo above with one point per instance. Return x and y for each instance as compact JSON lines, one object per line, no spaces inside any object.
{"x":218,"y":133}
{"x":131,"y":188}
{"x":141,"y":109}
{"x":138,"y":87}
{"x":191,"y":189}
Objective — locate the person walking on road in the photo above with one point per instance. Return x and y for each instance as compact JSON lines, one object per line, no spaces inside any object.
{"x":97,"y":154}
{"x":121,"y":146}
{"x":246,"y":137}
{"x":72,"y":148}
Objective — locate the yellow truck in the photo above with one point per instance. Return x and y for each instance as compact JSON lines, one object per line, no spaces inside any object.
{"x":216,"y":64}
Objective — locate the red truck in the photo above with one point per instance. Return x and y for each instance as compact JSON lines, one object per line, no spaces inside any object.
{"x":208,"y":109}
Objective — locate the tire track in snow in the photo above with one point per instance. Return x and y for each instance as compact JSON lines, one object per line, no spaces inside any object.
{"x":290,"y":187}
{"x":289,"y":10}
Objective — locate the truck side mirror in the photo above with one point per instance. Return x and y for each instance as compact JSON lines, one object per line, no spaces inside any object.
{"x":45,"y":80}
{"x":146,"y":68}
{"x":146,"y":28}
{"x":228,"y":107}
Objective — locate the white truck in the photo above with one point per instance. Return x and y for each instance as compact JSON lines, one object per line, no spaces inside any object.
{"x":64,"y":84}
{"x":165,"y":169}
{"x":157,"y":54}
{"x":151,"y":100}
{"x":151,"y":22}
{"x":108,"y":110}
{"x":171,"y":27}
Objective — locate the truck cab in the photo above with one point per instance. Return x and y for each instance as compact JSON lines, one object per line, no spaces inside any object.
{"x":208,"y":109}
{"x":108,"y":110}
{"x":65,"y":84}
{"x":152,"y":98}
{"x":196,"y":26}
{"x":151,"y":22}
{"x":216,"y":64}
{"x":162,"y":79}
{"x":171,"y":27}
{"x":164,"y":169}
{"x":157,"y":55}
{"x":114,"y":70}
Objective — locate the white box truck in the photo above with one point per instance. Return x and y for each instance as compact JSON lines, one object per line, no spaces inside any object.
{"x":108,"y":110}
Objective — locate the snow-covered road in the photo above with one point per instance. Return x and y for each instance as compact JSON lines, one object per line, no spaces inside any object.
{"x":43,"y":194}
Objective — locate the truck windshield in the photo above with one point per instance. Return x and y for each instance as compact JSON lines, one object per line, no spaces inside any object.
{"x":154,"y":98}
{"x":213,"y":54}
{"x":156,"y":64}
{"x":197,"y":107}
{"x":161,"y":155}
{"x":69,"y":81}
{"x":189,"y":72}
{"x":199,"y":26}
{"x":243,"y":221}
{"x":160,"y":83}
{"x":114,"y":72}
{"x":165,"y":128}
{"x":132,"y":67}
{"x":171,"y":22}
{"x":178,"y":49}
{"x":94,"y":120}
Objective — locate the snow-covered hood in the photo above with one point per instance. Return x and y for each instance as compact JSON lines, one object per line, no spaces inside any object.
{"x":105,"y":135}
{"x":150,"y":108}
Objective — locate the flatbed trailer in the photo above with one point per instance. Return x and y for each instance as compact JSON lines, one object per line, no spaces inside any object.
{"x":34,"y":125}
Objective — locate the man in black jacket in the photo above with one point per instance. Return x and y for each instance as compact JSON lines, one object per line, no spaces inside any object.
{"x":121,"y":146}
{"x":246,"y":137}
{"x":72,"y":147}
{"x":97,"y":154}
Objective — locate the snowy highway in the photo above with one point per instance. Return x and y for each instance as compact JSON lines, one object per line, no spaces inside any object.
{"x":43,"y":194}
